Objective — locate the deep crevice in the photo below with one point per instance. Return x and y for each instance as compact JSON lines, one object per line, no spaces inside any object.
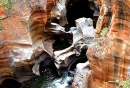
{"x":10,"y":83}
{"x":78,"y":9}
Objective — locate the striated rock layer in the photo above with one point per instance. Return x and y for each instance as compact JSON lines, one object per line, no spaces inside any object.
{"x":17,"y":43}
{"x":109,"y":58}
{"x":27,"y":32}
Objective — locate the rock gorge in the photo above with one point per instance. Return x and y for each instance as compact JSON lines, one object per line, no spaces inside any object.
{"x":32,"y":31}
{"x":109,"y":58}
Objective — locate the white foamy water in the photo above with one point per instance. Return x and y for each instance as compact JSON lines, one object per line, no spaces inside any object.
{"x":57,"y":83}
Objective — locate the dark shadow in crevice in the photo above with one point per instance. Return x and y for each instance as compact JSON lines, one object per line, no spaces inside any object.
{"x":10,"y":83}
{"x":78,"y":9}
{"x":81,"y":8}
{"x":61,"y":43}
{"x":78,"y":59}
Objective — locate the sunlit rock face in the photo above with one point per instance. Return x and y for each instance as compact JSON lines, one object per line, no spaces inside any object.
{"x":110,"y":60}
{"x":22,"y":37}
{"x":15,"y":47}
{"x":27,"y":35}
{"x":2,"y":12}
{"x":16,"y":41}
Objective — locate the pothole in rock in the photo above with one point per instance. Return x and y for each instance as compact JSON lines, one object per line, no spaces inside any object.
{"x":49,"y":77}
{"x":61,"y":43}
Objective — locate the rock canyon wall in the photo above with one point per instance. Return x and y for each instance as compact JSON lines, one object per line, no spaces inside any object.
{"x":109,"y":58}
{"x":29,"y":30}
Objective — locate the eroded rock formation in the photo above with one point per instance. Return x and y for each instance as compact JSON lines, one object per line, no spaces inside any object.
{"x":109,"y":57}
{"x":15,"y":47}
{"x":82,"y":39}
{"x":28,"y":31}
{"x":20,"y":42}
{"x":22,"y":38}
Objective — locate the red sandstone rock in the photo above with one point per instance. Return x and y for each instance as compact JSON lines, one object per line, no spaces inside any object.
{"x":2,"y":12}
{"x":16,"y":48}
{"x":110,"y":61}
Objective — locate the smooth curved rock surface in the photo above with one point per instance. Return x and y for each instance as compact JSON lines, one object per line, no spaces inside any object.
{"x":15,"y":47}
{"x":81,"y":69}
{"x":110,"y":61}
{"x":16,"y":44}
{"x":23,"y":37}
{"x":81,"y":41}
